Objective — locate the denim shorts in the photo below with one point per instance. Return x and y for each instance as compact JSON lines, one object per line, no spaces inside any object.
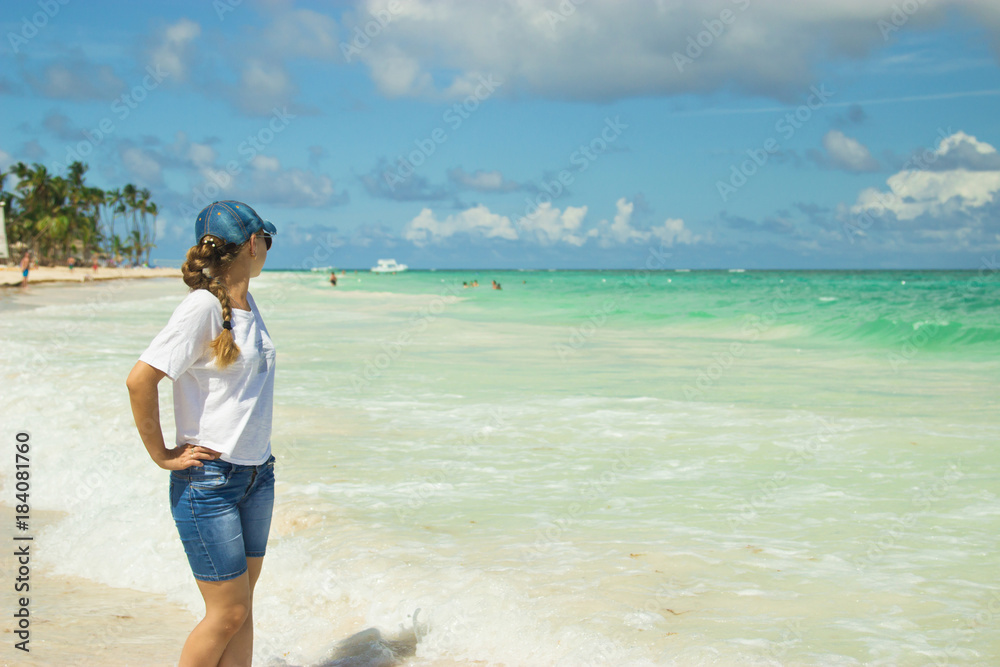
{"x":223,"y":514}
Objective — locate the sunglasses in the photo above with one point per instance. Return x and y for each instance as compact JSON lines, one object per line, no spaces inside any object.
{"x":267,"y":239}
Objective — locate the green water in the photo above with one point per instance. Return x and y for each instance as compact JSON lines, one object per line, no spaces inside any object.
{"x":958,"y":311}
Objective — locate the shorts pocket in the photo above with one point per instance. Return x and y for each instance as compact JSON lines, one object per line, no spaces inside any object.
{"x":207,"y":477}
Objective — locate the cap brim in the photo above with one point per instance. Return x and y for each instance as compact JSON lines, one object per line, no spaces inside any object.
{"x":270,"y":228}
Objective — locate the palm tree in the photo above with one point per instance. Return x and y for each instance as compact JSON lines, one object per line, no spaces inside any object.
{"x":117,"y":248}
{"x":153,"y":210}
{"x":135,"y":249}
{"x":145,"y":207}
{"x":77,"y":208}
{"x":89,"y":232}
{"x":38,"y":207}
{"x":53,"y":215}
{"x":142,"y":208}
{"x":130,"y":208}
{"x":111,"y":207}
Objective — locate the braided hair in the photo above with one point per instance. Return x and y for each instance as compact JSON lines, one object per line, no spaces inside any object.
{"x":203,"y":268}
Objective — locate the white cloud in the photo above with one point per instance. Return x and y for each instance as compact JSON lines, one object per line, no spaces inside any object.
{"x":303,"y":33}
{"x":847,"y":153}
{"x":258,"y":56}
{"x":959,"y":141}
{"x":173,"y":51}
{"x":919,"y":191}
{"x":548,"y":225}
{"x":621,"y":231}
{"x":397,"y":74}
{"x":201,"y":155}
{"x":476,"y":222}
{"x":265,"y":163}
{"x":78,"y":80}
{"x":142,"y":165}
{"x":264,"y":86}
{"x":483,"y":181}
{"x":673,"y":231}
{"x":939,"y":194}
{"x":604,"y":49}
{"x":962,"y":151}
{"x":265,"y":181}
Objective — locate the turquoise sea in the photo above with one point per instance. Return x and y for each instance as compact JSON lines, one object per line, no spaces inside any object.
{"x":583,"y":468}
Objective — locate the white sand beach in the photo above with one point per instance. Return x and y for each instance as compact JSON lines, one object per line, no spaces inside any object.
{"x":79,"y":622}
{"x":11,"y":276}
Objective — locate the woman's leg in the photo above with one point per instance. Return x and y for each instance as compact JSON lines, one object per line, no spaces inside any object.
{"x":239,"y":652}
{"x":204,"y":506}
{"x":227,"y":607}
{"x":255,"y":518}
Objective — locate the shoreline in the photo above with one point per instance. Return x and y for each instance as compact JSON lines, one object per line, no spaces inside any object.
{"x":11,"y":277}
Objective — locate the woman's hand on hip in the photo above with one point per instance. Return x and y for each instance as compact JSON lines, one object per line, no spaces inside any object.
{"x":188,"y":456}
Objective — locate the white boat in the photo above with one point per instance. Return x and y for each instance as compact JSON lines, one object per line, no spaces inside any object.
{"x":388,"y":266}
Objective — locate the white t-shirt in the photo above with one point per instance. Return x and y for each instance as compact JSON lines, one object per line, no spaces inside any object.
{"x":227,"y":410}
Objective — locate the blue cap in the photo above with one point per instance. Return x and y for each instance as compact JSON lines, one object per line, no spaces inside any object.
{"x":230,"y":221}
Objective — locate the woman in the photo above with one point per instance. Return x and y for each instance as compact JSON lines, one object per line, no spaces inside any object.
{"x":220,"y":358}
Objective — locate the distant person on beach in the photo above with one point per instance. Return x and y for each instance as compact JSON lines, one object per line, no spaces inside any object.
{"x":218,"y":353}
{"x":25,"y":268}
{"x":71,"y":262}
{"x":333,"y":278}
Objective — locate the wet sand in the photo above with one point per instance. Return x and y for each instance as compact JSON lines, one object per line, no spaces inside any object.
{"x":79,"y":622}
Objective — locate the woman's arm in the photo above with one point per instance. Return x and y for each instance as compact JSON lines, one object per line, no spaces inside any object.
{"x":145,"y":401}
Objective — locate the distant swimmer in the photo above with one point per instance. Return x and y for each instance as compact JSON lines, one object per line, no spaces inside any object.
{"x":25,"y":267}
{"x":465,"y":285}
{"x":333,"y":278}
{"x":496,"y":285}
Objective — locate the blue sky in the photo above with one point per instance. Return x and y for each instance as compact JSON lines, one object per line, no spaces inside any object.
{"x":535,"y":133}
